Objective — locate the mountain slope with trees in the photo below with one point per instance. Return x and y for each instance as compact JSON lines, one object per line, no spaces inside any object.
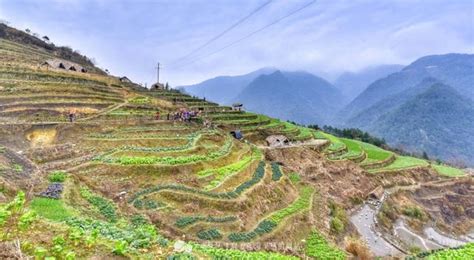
{"x":297,"y":96}
{"x":438,"y":121}
{"x":456,"y":70}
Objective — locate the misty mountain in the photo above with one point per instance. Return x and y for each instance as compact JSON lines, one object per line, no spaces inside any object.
{"x":223,"y":89}
{"x":439,"y":121}
{"x":352,"y":84}
{"x":456,"y":70}
{"x":296,"y":96}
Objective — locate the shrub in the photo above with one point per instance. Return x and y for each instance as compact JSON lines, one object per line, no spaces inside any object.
{"x":339,"y":218}
{"x":57,"y":176}
{"x":414,"y":212}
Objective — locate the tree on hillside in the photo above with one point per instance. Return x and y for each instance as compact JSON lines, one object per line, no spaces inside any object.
{"x":28,"y":31}
{"x":46,"y":38}
{"x":167,"y":87}
{"x":425,"y":156}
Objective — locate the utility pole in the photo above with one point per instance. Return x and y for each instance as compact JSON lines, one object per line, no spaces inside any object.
{"x":158,"y":73}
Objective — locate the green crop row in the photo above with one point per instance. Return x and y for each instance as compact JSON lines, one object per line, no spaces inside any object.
{"x":131,"y":235}
{"x":147,"y":204}
{"x":268,"y":224}
{"x":257,"y":177}
{"x":265,"y":226}
{"x":189,"y":220}
{"x":319,"y":248}
{"x":231,"y":254}
{"x":303,"y":202}
{"x":336,"y":143}
{"x":460,"y":253}
{"x":167,"y":160}
{"x":104,"y":206}
{"x":209,"y":234}
{"x":221,"y":173}
{"x":192,"y":140}
{"x":276,"y":172}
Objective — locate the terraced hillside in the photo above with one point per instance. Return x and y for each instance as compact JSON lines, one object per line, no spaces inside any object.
{"x":118,"y":182}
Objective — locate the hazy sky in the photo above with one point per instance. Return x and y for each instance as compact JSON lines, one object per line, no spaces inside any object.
{"x":328,"y":37}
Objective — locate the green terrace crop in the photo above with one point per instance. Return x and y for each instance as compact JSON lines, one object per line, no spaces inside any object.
{"x":336,"y":143}
{"x":192,"y":140}
{"x":167,"y":160}
{"x":276,"y":172}
{"x":403,"y":162}
{"x":319,"y":248}
{"x":224,"y":254}
{"x":104,"y":206}
{"x":267,"y":225}
{"x":148,"y":204}
{"x":134,"y":236}
{"x":448,"y":171}
{"x":220,"y":174}
{"x":189,"y":220}
{"x":460,"y":253}
{"x":257,"y":177}
{"x":209,"y":234}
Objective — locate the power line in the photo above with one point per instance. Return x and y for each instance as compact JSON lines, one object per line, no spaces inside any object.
{"x":248,"y":35}
{"x":222,"y":33}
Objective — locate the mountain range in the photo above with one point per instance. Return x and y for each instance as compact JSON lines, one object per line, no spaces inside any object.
{"x":425,"y":106}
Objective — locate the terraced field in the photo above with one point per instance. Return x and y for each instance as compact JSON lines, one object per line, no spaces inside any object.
{"x":117,"y":181}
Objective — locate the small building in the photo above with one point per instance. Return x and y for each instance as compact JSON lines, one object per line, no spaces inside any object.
{"x":125,"y":79}
{"x":377,"y":193}
{"x":157,"y":86}
{"x":63,"y":64}
{"x":237,"y":107}
{"x":277,"y":140}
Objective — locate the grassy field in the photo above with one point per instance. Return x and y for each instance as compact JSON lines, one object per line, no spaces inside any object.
{"x":51,"y":209}
{"x":401,"y":163}
{"x":448,"y":171}
{"x":374,"y":153}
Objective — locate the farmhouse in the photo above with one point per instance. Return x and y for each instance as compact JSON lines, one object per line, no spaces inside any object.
{"x":125,"y":79}
{"x":277,"y":140}
{"x":237,"y":106}
{"x":63,"y":64}
{"x":157,"y":86}
{"x":377,"y":193}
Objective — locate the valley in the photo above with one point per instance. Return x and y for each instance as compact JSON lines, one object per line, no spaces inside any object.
{"x":88,"y":169}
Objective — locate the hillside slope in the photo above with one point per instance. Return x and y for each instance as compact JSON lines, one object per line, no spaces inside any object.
{"x":456,"y":70}
{"x":224,"y":88}
{"x":119,"y":180}
{"x":438,"y":121}
{"x":312,"y":99}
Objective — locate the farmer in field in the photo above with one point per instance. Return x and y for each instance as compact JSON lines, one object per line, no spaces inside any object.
{"x":157,"y":115}
{"x":71,"y":115}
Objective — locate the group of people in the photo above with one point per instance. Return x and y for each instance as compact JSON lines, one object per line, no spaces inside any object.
{"x":182,"y":114}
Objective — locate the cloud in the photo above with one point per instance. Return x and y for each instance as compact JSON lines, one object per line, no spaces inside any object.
{"x":329,"y":37}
